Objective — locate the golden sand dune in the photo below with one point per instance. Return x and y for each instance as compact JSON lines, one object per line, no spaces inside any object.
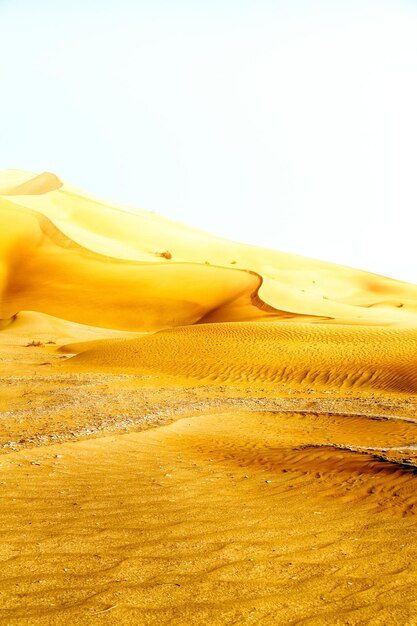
{"x":44,"y":270}
{"x":40,"y":213}
{"x":300,"y":355}
{"x":252,"y":462}
{"x":30,"y":326}
{"x":38,"y":185}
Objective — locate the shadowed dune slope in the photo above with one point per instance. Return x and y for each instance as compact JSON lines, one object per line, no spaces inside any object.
{"x":101,"y":252}
{"x":302,"y":355}
{"x":28,"y":326}
{"x":43,"y":270}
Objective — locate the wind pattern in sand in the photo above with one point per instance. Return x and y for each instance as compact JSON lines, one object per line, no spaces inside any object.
{"x":195,"y":430}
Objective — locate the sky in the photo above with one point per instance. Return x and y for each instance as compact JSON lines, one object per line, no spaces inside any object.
{"x":290,"y":124}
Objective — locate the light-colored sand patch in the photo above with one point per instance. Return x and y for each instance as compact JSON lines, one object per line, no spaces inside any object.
{"x":38,"y":185}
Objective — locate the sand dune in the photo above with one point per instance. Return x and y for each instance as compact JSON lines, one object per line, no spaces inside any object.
{"x":43,"y":270}
{"x":300,"y":355}
{"x":30,"y":326}
{"x":253,"y":461}
{"x":38,"y":210}
{"x":38,"y":185}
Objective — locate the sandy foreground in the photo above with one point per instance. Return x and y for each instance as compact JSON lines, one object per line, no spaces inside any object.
{"x":252,"y":462}
{"x":144,"y":499}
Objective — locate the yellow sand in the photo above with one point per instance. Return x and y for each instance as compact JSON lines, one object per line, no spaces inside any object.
{"x":253,"y":462}
{"x":61,"y":246}
{"x":214,"y":520}
{"x":313,"y":356}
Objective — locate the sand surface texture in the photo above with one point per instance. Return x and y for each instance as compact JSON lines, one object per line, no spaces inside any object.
{"x":253,"y":461}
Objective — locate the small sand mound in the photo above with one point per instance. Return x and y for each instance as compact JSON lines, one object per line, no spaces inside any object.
{"x":36,"y":186}
{"x":28,"y":325}
{"x":301,"y":355}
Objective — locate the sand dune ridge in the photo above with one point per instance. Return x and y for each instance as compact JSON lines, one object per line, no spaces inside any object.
{"x":290,"y":284}
{"x":58,"y":276}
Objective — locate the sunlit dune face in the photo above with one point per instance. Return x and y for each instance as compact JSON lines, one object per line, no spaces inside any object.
{"x":45,"y":271}
{"x":67,"y":254}
{"x":301,"y":356}
{"x":39,"y":185}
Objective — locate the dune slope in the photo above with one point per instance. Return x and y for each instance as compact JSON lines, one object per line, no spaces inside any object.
{"x":253,"y":461}
{"x":43,"y":270}
{"x":300,"y":355}
{"x":130,"y":269}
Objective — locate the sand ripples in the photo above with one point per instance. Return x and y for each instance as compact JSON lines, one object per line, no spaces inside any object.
{"x":302,"y":355}
{"x":272,"y":477}
{"x":210,"y":525}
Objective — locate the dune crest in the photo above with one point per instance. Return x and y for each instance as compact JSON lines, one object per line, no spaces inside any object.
{"x":45,"y":271}
{"x":36,"y":186}
{"x":131,"y":268}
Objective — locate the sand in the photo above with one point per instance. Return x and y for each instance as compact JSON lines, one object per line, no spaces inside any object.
{"x":64,"y":245}
{"x":314,"y":356}
{"x":207,"y":526}
{"x":218,"y":435}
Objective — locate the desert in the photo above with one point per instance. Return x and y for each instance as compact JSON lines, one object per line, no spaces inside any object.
{"x":197,"y":431}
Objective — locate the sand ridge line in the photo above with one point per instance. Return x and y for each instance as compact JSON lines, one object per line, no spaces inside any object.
{"x":371,"y":416}
{"x":38,"y":185}
{"x":291,"y":283}
{"x":155,"y":294}
{"x":406,"y":464}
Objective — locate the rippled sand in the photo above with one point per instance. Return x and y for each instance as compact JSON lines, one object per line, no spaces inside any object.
{"x":221,"y":503}
{"x":221,"y":518}
{"x":253,"y":462}
{"x":301,"y":355}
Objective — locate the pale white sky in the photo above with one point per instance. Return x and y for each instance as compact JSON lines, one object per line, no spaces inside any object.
{"x":291,"y":124}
